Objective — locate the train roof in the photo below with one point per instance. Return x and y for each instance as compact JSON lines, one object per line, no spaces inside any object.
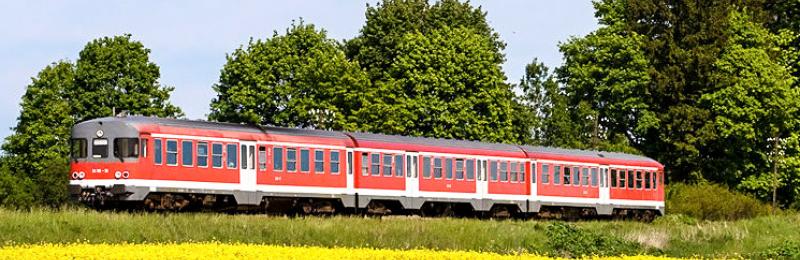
{"x":396,"y":142}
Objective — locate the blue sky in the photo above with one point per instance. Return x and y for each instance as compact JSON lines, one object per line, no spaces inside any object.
{"x":189,"y":39}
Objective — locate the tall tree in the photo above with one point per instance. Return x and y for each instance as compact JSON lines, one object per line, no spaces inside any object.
{"x":444,"y":84}
{"x":111,"y":73}
{"x":299,"y":79}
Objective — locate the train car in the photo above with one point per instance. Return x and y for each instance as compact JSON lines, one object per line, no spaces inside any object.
{"x":172,"y":164}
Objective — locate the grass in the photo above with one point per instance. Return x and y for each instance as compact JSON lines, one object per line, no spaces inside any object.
{"x":672,"y":235}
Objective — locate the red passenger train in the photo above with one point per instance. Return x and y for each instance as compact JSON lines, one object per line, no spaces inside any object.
{"x":173,"y":164}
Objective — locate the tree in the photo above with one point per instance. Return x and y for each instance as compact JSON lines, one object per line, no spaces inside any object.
{"x":443,"y":84}
{"x":300,"y":79}
{"x":111,"y":73}
{"x":756,"y":110}
{"x":115,"y":73}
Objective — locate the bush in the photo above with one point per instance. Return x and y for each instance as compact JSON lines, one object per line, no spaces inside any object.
{"x":713,"y":202}
{"x":15,"y":191}
{"x":787,"y":250}
{"x":569,"y":241}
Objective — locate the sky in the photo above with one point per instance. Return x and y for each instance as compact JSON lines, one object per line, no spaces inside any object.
{"x":189,"y":39}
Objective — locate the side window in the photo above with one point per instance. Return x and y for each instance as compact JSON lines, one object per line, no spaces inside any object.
{"x":158,"y":153}
{"x":291,"y":159}
{"x":305,"y":163}
{"x":647,"y":180}
{"x":493,"y":170}
{"x":319,"y":161}
{"x":262,"y":158}
{"x":216,"y":155}
{"x":277,"y":159}
{"x":613,"y":178}
{"x":638,"y":179}
{"x":567,"y":175}
{"x":334,"y":161}
{"x":546,"y":173}
{"x":470,"y":169}
{"x":426,"y":167}
{"x":375,"y":167}
{"x":437,"y":168}
{"x":594,"y":177}
{"x":576,"y":178}
{"x":408,"y":166}
{"x":232,"y":156}
{"x":448,"y":166}
{"x":350,"y":162}
{"x":631,"y":179}
{"x":585,"y":179}
{"x":202,"y":154}
{"x":503,"y":171}
{"x":244,"y":156}
{"x":398,"y":165}
{"x":459,"y":169}
{"x":622,"y":177}
{"x":172,"y":152}
{"x":78,"y":148}
{"x":144,"y":148}
{"x":187,"y":156}
{"x":515,"y":172}
{"x":557,"y":174}
{"x":387,"y":165}
{"x":364,"y":164}
{"x":414,"y":161}
{"x":521,"y":172}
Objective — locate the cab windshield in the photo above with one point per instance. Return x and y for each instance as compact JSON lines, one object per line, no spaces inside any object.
{"x":126,"y":147}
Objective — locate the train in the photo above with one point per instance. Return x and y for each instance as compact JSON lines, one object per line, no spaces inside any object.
{"x":171,"y":164}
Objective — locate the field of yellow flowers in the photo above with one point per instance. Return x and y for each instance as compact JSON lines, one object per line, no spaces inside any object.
{"x":216,"y":250}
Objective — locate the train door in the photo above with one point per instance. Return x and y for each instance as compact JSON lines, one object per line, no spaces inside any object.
{"x":483,"y":186}
{"x":247,"y":172}
{"x":412,"y":175}
{"x":350,"y":172}
{"x":604,"y":181}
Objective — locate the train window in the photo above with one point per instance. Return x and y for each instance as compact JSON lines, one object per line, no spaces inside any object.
{"x":232,"y":156}
{"x":126,"y":147}
{"x":594,"y":177}
{"x":470,"y":169}
{"x":659,"y":178}
{"x":244,"y":157}
{"x":459,"y":169}
{"x":172,"y":152}
{"x":77,"y":148}
{"x":262,"y":158}
{"x":319,"y":161}
{"x":514,"y":169}
{"x":493,"y":170}
{"x":143,"y":153}
{"x":437,"y":168}
{"x":364,"y":164}
{"x":613,"y":178}
{"x":99,"y":148}
{"x":187,"y":150}
{"x":622,"y":177}
{"x":414,"y":160}
{"x":349,"y":162}
{"x":647,"y":180}
{"x":202,"y":154}
{"x":399,"y":164}
{"x":567,"y":175}
{"x":638,"y":179}
{"x":481,"y":169}
{"x":157,"y":157}
{"x":557,"y":174}
{"x":305,"y":163}
{"x":251,"y":155}
{"x":604,"y":177}
{"x":503,"y":171}
{"x":576,"y":178}
{"x":449,"y":168}
{"x":334,"y":161}
{"x":426,"y":167}
{"x":533,"y":173}
{"x":376,"y":164}
{"x":291,"y":159}
{"x":546,"y":173}
{"x":521,"y":172}
{"x":277,"y":159}
{"x":387,"y":164}
{"x":585,"y":177}
{"x":408,"y":166}
{"x":631,"y":179}
{"x":216,"y":155}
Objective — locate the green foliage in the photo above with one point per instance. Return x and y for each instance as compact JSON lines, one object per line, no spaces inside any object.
{"x":787,"y":250}
{"x":566,"y":240}
{"x":300,"y":79}
{"x":443,"y":84}
{"x":713,"y":202}
{"x":111,"y":73}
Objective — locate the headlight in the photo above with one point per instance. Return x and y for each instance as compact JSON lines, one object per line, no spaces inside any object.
{"x":81,"y":175}
{"x":75,"y":175}
{"x":118,"y":175}
{"x":125,"y":174}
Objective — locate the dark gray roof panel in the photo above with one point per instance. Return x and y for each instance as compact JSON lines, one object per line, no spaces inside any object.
{"x":425,"y":141}
{"x":586,"y":153}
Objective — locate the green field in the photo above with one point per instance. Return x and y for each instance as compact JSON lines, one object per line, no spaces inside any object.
{"x":672,"y":235}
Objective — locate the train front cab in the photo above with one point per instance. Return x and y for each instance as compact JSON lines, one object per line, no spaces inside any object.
{"x":103,"y":154}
